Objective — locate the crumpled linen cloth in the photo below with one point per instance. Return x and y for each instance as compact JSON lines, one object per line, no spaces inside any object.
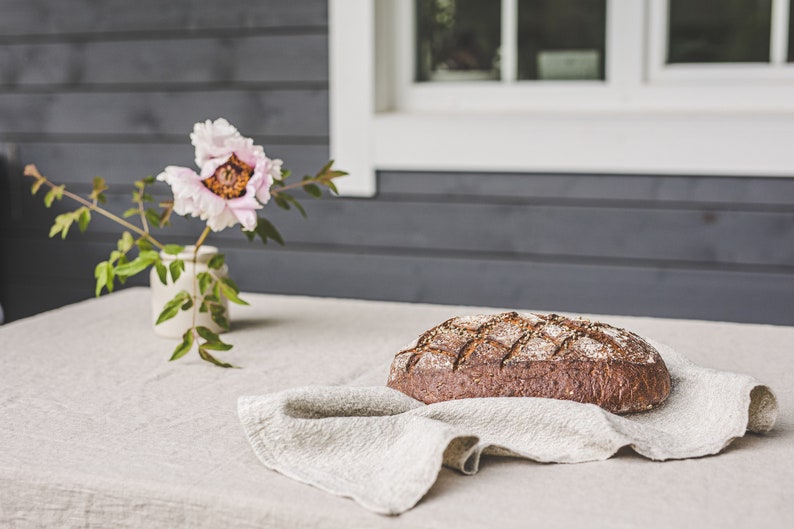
{"x":384,"y":449}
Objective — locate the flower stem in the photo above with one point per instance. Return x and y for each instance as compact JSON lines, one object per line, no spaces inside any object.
{"x":109,"y":215}
{"x":201,"y":240}
{"x":277,"y":190}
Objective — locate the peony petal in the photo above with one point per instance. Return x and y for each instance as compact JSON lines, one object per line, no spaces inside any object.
{"x":211,"y":165}
{"x":247,"y":218}
{"x":212,"y":139}
{"x":183,"y":182}
{"x":226,"y":219}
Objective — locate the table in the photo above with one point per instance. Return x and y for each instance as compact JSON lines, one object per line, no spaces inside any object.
{"x":98,"y":429}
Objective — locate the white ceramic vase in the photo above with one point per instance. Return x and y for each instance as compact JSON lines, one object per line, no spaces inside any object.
{"x":162,"y":294}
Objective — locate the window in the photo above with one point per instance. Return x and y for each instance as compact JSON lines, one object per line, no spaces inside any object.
{"x":665,"y":86}
{"x":748,"y":40}
{"x":472,"y":40}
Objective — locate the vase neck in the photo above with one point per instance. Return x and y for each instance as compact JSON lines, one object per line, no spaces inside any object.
{"x":205,"y":253}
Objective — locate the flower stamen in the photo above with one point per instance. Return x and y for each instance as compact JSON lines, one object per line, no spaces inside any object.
{"x":229,"y":180}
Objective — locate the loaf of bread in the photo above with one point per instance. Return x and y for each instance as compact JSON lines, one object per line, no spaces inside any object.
{"x":531,"y":355}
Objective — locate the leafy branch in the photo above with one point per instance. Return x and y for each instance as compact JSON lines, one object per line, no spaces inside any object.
{"x":279,"y":191}
{"x":57,"y":192}
{"x":211,"y":290}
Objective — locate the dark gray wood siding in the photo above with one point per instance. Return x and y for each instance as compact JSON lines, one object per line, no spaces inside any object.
{"x":113,"y":88}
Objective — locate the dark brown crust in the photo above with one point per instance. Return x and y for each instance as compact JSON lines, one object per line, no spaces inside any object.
{"x":528,"y":355}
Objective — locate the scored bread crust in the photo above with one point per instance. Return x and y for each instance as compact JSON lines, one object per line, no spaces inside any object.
{"x":532,"y":355}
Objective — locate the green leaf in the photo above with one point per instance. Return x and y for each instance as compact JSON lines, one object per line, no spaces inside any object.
{"x":61,"y":224}
{"x":229,"y":281}
{"x":99,"y":186}
{"x":217,"y":346}
{"x":176,"y":267}
{"x":130,"y":213}
{"x":162,"y":272}
{"x":216,"y":261}
{"x":173,"y":249}
{"x":292,"y":200}
{"x":153,"y":217}
{"x":103,"y":272}
{"x":184,"y":347}
{"x":230,"y":293}
{"x":266,"y":230}
{"x":313,"y":190}
{"x":332,"y":187}
{"x":144,"y":245}
{"x":207,"y":334}
{"x":204,"y":281}
{"x":125,"y":243}
{"x":205,"y":355}
{"x":55,"y":193}
{"x":172,"y":308}
{"x":37,"y":185}
{"x":167,"y":314}
{"x":137,"y":265}
{"x":281,"y":201}
{"x":324,"y":169}
{"x":149,"y":180}
{"x":83,"y":219}
{"x":218,"y":315}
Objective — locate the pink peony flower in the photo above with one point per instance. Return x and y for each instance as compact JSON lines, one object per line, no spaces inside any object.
{"x":234,"y":180}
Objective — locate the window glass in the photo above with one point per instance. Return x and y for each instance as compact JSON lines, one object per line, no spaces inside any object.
{"x":457,"y":40}
{"x":703,"y":31}
{"x":561,"y":39}
{"x":791,"y":33}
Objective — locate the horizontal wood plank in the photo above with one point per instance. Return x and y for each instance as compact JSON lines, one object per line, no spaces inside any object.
{"x":565,"y":287}
{"x":649,"y":189}
{"x":542,"y":232}
{"x":143,"y":114}
{"x":178,"y":62}
{"x":65,"y":17}
{"x":122,"y":163}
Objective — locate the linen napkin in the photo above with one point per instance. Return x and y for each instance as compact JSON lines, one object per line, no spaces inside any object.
{"x":384,"y":449}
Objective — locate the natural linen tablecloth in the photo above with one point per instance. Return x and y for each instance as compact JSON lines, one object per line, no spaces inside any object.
{"x":98,"y":430}
{"x":385,"y":449}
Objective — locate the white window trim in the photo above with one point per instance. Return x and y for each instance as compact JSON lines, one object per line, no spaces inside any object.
{"x":670,"y":126}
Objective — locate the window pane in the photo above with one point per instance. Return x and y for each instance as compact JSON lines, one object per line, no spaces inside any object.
{"x":791,"y":33}
{"x":457,"y":40}
{"x":719,"y":31}
{"x":561,"y":39}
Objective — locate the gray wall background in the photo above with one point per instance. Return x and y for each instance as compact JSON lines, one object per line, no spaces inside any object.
{"x":113,"y":88}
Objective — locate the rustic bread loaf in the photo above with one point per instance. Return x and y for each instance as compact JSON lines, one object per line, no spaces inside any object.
{"x":530,"y":355}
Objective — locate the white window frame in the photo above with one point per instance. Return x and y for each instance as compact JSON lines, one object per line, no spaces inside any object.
{"x":758,"y":74}
{"x":644,"y":119}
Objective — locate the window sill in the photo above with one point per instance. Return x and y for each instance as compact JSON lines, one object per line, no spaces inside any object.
{"x":714,"y":144}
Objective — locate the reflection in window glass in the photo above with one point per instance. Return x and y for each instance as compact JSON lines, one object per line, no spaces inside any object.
{"x":791,"y":33}
{"x":561,"y":39}
{"x":457,"y":40}
{"x":719,"y":31}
